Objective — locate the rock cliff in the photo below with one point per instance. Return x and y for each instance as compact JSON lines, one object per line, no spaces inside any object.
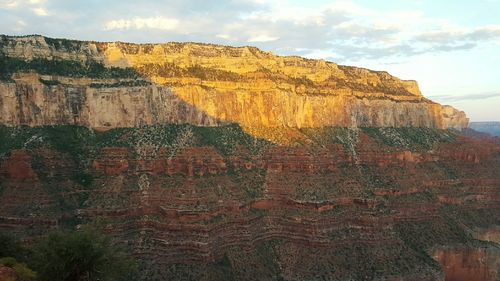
{"x":200,"y":84}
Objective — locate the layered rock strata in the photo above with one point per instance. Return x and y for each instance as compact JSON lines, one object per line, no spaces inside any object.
{"x":242,"y":85}
{"x":212,"y":203}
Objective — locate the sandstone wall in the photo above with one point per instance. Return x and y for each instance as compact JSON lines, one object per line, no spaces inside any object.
{"x":29,"y":102}
{"x":202,"y":84}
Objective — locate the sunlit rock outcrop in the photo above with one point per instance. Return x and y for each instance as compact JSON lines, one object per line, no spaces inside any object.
{"x":242,"y":85}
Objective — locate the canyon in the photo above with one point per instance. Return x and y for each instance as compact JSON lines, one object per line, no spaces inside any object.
{"x":210,"y":162}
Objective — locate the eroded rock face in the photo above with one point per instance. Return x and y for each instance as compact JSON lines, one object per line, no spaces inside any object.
{"x":358,"y":210}
{"x":453,"y":118}
{"x":200,"y":83}
{"x":29,"y":102}
{"x":18,"y":167}
{"x":465,"y":264}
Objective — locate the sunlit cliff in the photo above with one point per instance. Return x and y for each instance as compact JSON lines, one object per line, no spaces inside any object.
{"x":210,"y":83}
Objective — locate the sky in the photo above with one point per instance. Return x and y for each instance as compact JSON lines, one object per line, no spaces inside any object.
{"x":452,"y":48}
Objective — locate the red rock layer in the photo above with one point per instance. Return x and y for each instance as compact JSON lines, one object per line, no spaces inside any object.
{"x":465,"y":264}
{"x":323,"y":209}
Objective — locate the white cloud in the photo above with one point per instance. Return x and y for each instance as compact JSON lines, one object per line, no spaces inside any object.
{"x":471,"y":96}
{"x":340,"y":30}
{"x":8,"y":4}
{"x":40,"y":12}
{"x":223,"y":36}
{"x":319,"y":54}
{"x":262,"y":38}
{"x":14,"y":4}
{"x":455,"y":35}
{"x":162,"y":23}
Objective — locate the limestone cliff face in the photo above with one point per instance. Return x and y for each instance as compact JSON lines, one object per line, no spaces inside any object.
{"x":29,"y":102}
{"x":454,"y":118}
{"x":205,"y":84}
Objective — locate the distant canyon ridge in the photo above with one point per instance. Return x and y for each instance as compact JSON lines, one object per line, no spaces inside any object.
{"x":110,"y":85}
{"x":491,"y":128}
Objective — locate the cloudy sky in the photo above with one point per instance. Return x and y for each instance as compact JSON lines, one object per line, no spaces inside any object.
{"x":452,"y":48}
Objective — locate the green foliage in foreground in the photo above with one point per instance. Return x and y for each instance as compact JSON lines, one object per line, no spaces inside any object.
{"x":82,"y":255}
{"x":10,"y":247}
{"x":68,"y":256}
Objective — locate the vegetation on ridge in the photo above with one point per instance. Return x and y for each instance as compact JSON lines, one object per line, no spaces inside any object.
{"x":412,"y":138}
{"x":80,"y":141}
{"x":9,"y":66}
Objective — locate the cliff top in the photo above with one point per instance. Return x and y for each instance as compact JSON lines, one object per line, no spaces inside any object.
{"x":215,"y":61}
{"x":204,"y":84}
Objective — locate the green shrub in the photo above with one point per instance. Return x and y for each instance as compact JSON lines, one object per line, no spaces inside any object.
{"x":8,"y":261}
{"x":82,"y":255}
{"x":49,"y":82}
{"x":65,"y":44}
{"x":197,"y":71}
{"x":84,"y":179}
{"x":130,"y":83}
{"x":10,"y":247}
{"x":422,"y":236}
